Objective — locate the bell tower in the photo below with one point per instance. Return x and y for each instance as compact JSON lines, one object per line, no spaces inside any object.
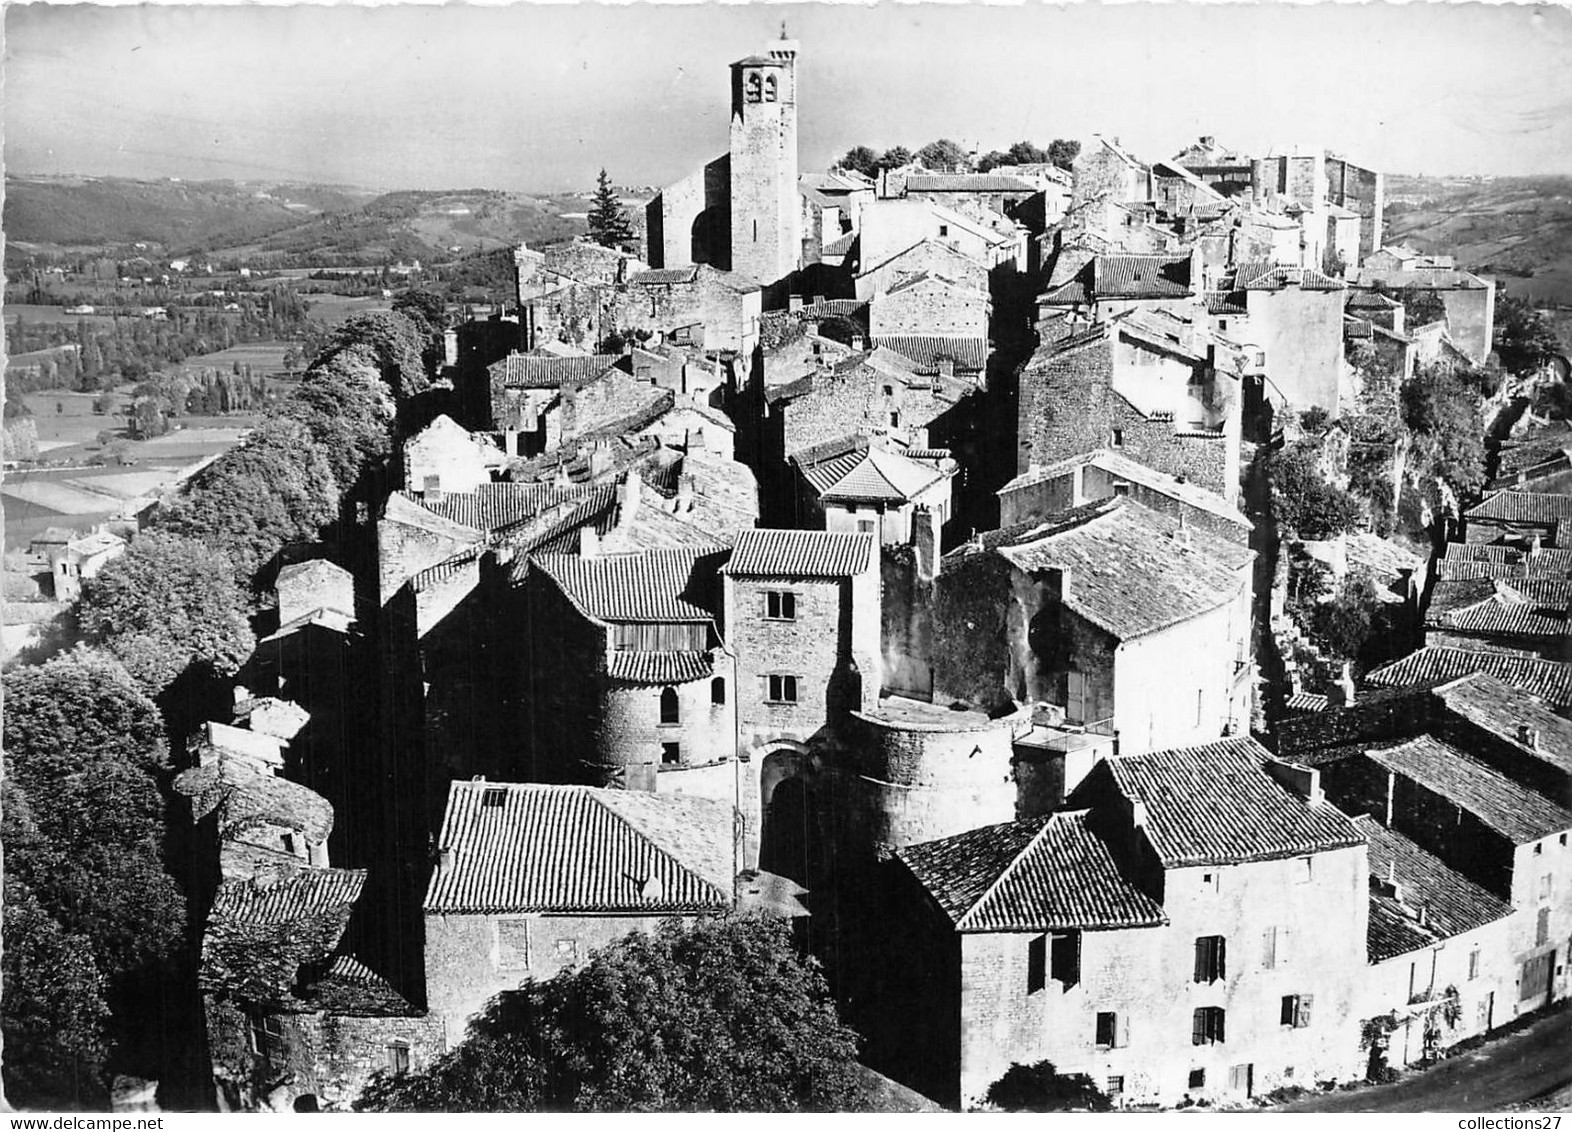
{"x":766,"y":215}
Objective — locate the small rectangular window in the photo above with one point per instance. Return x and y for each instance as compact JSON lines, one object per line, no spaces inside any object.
{"x":865,"y":526}
{"x":289,"y":843}
{"x":1065,"y":958}
{"x":493,"y":797}
{"x":670,"y":754}
{"x":1121,"y":489}
{"x":782,"y":689}
{"x":1473,"y":964}
{"x":1206,"y":1026}
{"x":1116,"y":438}
{"x":780,"y":605}
{"x":895,"y":420}
{"x":567,"y":951}
{"x":1296,"y":1010}
{"x":1210,"y":958}
{"x":1115,"y":1087}
{"x":889,"y":391}
{"x":398,"y":1058}
{"x":944,"y":229}
{"x":1304,"y":870}
{"x":1107,"y":1030}
{"x":1197,"y":1079}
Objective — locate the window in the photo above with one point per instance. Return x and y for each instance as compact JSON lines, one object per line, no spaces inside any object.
{"x":1116,"y":439}
{"x":670,"y":754}
{"x":1036,"y":964}
{"x":782,"y":689}
{"x":1210,"y":958}
{"x":1563,"y":840}
{"x":755,"y":85}
{"x":1304,"y":870}
{"x":670,"y":711}
{"x":1542,"y":928}
{"x":1473,"y":964}
{"x":755,"y":231}
{"x":1206,"y":1026}
{"x":780,"y":605}
{"x":1539,"y":849}
{"x":1115,"y":1087}
{"x":567,"y":951}
{"x":398,"y":1058}
{"x":944,"y":229}
{"x":1274,"y":948}
{"x":1197,"y":1079}
{"x":769,"y":88}
{"x":865,"y":526}
{"x":1296,"y":1010}
{"x":889,"y":391}
{"x":1200,"y":705}
{"x":289,"y":842}
{"x":1121,"y":489}
{"x":895,"y":420}
{"x":1546,"y":883}
{"x":266,"y":1032}
{"x":1064,"y":957}
{"x":718,"y":690}
{"x":493,"y":797}
{"x":1107,"y":1030}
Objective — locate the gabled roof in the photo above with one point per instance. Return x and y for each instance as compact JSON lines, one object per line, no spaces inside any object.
{"x":527,"y":371}
{"x":308,"y":893}
{"x":1493,"y":705}
{"x":1124,"y":468}
{"x":800,"y":554}
{"x":868,"y":474}
{"x":1141,"y":276}
{"x":1224,"y":302}
{"x":1276,"y":276}
{"x":1205,"y":191}
{"x":932,"y":278}
{"x":841,"y":245}
{"x":1516,"y":812}
{"x":1513,"y":506}
{"x":925,"y":350}
{"x":403,"y":510}
{"x":965,"y":183}
{"x":656,"y":668}
{"x":1549,"y":680}
{"x":1045,"y":874}
{"x":313,"y":568}
{"x":1524,"y":607}
{"x":1452,"y":904}
{"x":1131,"y":571}
{"x":1464,"y":560}
{"x":562,"y":850}
{"x":653,"y":585}
{"x":1216,"y":804}
{"x":492,"y":506}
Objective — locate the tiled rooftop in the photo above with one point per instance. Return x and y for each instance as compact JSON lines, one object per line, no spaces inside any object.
{"x":865,"y":473}
{"x":1549,"y":680}
{"x":1274,"y":277}
{"x":1030,"y":876}
{"x":924,"y":351}
{"x":1501,"y":709}
{"x":1125,"y":468}
{"x":1452,"y":903}
{"x":1516,"y":812}
{"x":800,"y":554}
{"x":660,"y":667}
{"x":1523,"y":507}
{"x":309,"y":892}
{"x":1464,"y":560}
{"x":965,"y":183}
{"x":492,"y":506}
{"x":566,"y":849}
{"x":1141,"y":276}
{"x":1215,"y":803}
{"x":1131,"y":570}
{"x":523,"y":371}
{"x":655,"y":586}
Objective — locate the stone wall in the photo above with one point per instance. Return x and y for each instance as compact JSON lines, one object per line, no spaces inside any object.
{"x":766,"y":213}
{"x":1470,"y":318}
{"x":1301,"y":333}
{"x":931,"y":306}
{"x":1363,"y":191}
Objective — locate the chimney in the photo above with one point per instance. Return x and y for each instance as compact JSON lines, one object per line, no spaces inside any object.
{"x":628,"y":499}
{"x":445,"y":859}
{"x":1528,"y":736}
{"x":1138,"y":814}
{"x":1208,"y":140}
{"x":794,"y":303}
{"x":1343,"y":692}
{"x":859,"y":343}
{"x":599,"y":461}
{"x":432,"y":492}
{"x":685,"y":493}
{"x":622,"y":269}
{"x":946,"y":366}
{"x":589,"y":542}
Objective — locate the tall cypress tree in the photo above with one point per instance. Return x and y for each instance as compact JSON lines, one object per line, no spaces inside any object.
{"x":608,"y":222}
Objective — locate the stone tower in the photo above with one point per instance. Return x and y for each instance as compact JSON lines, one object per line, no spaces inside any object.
{"x":766,"y":216}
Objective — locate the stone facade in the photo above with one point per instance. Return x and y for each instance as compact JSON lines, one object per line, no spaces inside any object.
{"x":445,"y":453}
{"x":931,"y":305}
{"x":1300,"y":330}
{"x":766,"y":216}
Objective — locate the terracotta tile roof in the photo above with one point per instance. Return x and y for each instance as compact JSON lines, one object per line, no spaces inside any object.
{"x":665,"y":276}
{"x":1224,"y":302}
{"x":1493,"y":705}
{"x":523,"y":371}
{"x":1517,"y":813}
{"x":1517,"y":607}
{"x":1549,"y":680}
{"x":574,"y":849}
{"x":1465,"y":560}
{"x":965,"y":183}
{"x":1141,"y":276}
{"x":1045,"y":874}
{"x":925,"y":350}
{"x":1370,"y":301}
{"x":433,"y":576}
{"x":1275,"y":276}
{"x":864,"y":473}
{"x":1131,"y":570}
{"x":841,"y":245}
{"x":660,"y":667}
{"x":1523,"y":507}
{"x":800,"y":554}
{"x":492,"y":506}
{"x":1305,"y":703}
{"x":1452,"y":903}
{"x":1125,"y":468}
{"x":309,"y":892}
{"x":655,"y":585}
{"x":1215,"y":803}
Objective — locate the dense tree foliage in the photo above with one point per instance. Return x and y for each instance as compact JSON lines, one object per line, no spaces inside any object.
{"x":1042,"y":1088}
{"x":1524,"y":338}
{"x":1061,"y":152}
{"x":608,"y":220}
{"x":1303,"y":501}
{"x":943,"y":156}
{"x":166,"y":605}
{"x":1421,"y":306}
{"x":722,"y":1015}
{"x":348,"y":410}
{"x":896,"y":157}
{"x":861,"y":159}
{"x":400,"y":346}
{"x":425,"y":307}
{"x":1441,"y":409}
{"x":274,"y":489}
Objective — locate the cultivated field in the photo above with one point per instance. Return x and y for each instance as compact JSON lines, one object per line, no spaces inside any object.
{"x":334,"y":310}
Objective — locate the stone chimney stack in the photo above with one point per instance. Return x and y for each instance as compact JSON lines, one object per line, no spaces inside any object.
{"x":684,"y":494}
{"x":628,"y":499}
{"x":589,"y":542}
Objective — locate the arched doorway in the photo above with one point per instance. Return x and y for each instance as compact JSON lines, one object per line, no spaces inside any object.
{"x":786,"y":841}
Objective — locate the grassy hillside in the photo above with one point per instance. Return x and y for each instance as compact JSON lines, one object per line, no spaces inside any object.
{"x":181,"y":216}
{"x":1518,"y":229}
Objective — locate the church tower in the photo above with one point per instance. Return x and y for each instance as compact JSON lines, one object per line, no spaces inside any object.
{"x":766,"y":215}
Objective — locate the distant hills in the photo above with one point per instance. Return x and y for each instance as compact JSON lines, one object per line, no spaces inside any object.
{"x":1518,"y":229}
{"x":311,"y":224}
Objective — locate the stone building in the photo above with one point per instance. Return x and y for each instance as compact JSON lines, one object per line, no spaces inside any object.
{"x":530,"y":879}
{"x":893,"y":227}
{"x":1525,"y":519}
{"x":73,"y":559}
{"x":1103,"y":170}
{"x":928,"y":256}
{"x":832,"y":205}
{"x":1135,"y":624}
{"x":1148,"y":384}
{"x":741,"y":212}
{"x":857,"y":486}
{"x":1519,"y":615}
{"x":1463,"y":560}
{"x":1043,"y":492}
{"x":999,"y":192}
{"x":448,"y":455}
{"x":1548,"y":681}
{"x":519,"y":389}
{"x":1193,"y":927}
{"x":1294,"y":317}
{"x":1106,"y":285}
{"x":1469,"y":301}
{"x":699,"y":304}
{"x":930,"y":304}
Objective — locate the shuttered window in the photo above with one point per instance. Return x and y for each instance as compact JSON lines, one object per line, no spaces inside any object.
{"x":1210,"y":958}
{"x":1206,"y":1026}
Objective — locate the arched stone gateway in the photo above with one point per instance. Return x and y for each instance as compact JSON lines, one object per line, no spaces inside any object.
{"x":786,"y":841}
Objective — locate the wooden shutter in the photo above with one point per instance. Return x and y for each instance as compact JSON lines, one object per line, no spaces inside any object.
{"x":1287,"y":1016}
{"x":1222,"y":957}
{"x":1198,"y":1027}
{"x":1037,"y":964}
{"x":1269,"y":948}
{"x":1067,"y":958}
{"x":1305,"y":1001}
{"x":1201,"y":963}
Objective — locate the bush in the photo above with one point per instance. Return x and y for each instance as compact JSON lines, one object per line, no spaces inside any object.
{"x":1303,"y":502}
{"x":1042,"y":1088}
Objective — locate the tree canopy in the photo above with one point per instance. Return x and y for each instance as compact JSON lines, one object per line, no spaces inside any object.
{"x":348,"y":410}
{"x":861,"y":159}
{"x":165,"y":605}
{"x":943,"y":156}
{"x":1441,"y":408}
{"x":1304,"y":502}
{"x":721,"y":1015}
{"x":608,"y":220}
{"x":1524,"y":338}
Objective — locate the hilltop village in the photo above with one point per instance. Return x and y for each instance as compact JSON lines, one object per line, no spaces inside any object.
{"x":892,"y":555}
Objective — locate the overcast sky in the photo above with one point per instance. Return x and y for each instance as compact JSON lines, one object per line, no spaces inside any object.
{"x":540,"y":97}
